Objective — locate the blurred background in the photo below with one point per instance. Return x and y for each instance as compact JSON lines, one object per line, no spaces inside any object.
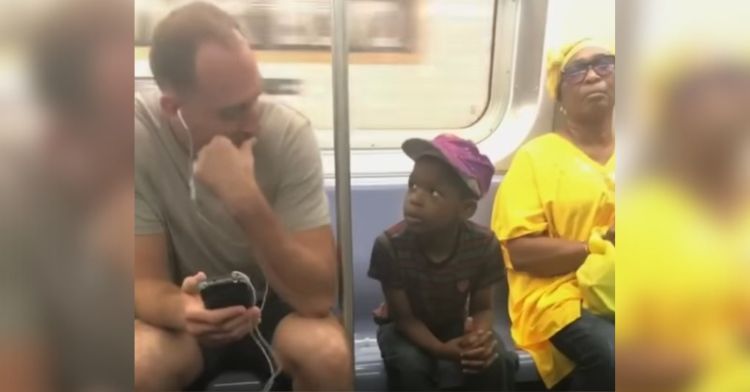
{"x":683,"y":201}
{"x":66,"y":201}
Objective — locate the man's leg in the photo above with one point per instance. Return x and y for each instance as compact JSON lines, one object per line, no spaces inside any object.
{"x":589,"y":342}
{"x":408,"y":367}
{"x":314,"y":352}
{"x":164,"y":361}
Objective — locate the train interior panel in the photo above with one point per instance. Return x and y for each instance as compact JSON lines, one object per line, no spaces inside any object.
{"x":470,"y":68}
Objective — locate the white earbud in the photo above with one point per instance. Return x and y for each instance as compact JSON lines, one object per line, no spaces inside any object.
{"x":182,"y":120}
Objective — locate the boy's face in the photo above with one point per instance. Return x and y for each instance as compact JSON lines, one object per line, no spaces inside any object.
{"x":435,"y":199}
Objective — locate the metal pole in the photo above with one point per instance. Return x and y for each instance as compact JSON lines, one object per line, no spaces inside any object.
{"x":340,"y":66}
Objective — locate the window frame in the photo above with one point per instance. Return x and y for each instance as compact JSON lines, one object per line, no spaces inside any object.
{"x":516,"y":110}
{"x":516,"y":106}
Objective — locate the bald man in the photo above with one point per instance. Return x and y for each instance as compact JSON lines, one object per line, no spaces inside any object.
{"x":227,"y":180}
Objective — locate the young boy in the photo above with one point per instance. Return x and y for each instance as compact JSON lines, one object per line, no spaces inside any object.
{"x":438,"y":271}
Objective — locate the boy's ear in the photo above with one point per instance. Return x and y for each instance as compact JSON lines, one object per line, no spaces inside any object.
{"x":468,"y":208}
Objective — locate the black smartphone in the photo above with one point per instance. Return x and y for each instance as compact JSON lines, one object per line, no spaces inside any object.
{"x":226,"y":291}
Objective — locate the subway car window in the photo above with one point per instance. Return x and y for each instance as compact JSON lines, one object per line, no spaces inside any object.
{"x":415,"y":65}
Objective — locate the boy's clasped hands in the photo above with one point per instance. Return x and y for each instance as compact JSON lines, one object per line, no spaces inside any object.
{"x":475,"y":350}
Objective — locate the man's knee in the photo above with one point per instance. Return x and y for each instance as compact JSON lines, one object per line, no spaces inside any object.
{"x":335,"y":354}
{"x":146,"y":357}
{"x":316,"y":344}
{"x":164,"y":360}
{"x":148,"y":377}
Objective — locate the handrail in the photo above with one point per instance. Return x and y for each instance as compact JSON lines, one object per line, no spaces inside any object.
{"x":340,"y":68}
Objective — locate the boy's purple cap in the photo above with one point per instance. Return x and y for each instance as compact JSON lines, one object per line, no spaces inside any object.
{"x":463,"y":155}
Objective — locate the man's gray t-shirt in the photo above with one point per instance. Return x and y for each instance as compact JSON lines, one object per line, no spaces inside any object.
{"x":202,"y":236}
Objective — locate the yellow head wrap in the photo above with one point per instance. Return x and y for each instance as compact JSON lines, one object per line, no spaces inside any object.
{"x":558,"y":58}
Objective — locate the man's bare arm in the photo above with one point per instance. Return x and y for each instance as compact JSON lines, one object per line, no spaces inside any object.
{"x":157,"y":300}
{"x":301,"y":267}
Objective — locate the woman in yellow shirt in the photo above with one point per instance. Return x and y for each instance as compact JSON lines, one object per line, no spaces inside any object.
{"x":558,"y":191}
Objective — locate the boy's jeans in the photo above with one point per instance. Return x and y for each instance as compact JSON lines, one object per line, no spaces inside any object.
{"x":410,"y":368}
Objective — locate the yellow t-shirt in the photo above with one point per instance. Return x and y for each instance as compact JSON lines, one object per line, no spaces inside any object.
{"x":681,"y":283}
{"x":554,"y":187}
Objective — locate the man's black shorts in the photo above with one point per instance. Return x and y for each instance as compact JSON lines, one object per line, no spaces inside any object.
{"x":245,"y":354}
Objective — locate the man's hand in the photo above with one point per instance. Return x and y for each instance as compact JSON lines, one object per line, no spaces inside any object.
{"x":217,"y":327}
{"x":477,"y":348}
{"x":227,"y":170}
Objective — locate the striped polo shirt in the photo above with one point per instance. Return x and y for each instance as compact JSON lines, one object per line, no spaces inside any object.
{"x":438,"y":293}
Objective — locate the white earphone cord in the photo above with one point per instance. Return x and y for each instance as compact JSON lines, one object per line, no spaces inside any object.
{"x":255,"y":334}
{"x":191,"y":181}
{"x":259,"y":339}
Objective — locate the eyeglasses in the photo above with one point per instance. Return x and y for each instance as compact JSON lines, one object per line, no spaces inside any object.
{"x":575,"y":73}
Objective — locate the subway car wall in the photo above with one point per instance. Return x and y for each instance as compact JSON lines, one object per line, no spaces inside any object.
{"x":469,"y":68}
